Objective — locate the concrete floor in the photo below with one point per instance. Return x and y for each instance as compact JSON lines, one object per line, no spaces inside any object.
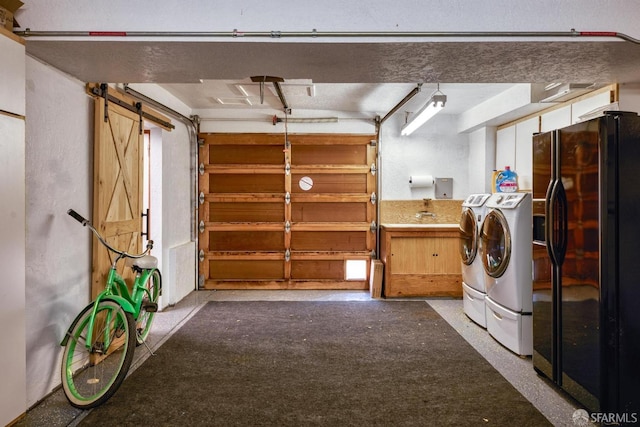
{"x":56,"y":411}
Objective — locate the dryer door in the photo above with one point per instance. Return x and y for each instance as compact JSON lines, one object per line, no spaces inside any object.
{"x":468,"y":236}
{"x":495,"y":243}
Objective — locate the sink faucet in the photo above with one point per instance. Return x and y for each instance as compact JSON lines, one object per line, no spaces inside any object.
{"x":424,"y":213}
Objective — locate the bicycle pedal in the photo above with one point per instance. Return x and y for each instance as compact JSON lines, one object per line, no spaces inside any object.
{"x":150,"y":307}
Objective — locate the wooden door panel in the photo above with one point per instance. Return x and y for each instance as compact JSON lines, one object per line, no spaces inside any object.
{"x":246,"y":183}
{"x":330,"y":154}
{"x":246,"y":155}
{"x":331,"y":183}
{"x":246,"y":241}
{"x":312,"y":270}
{"x":261,"y":229}
{"x":243,"y":270}
{"x":328,"y":212}
{"x":117,"y":187}
{"x":349,"y":241}
{"x":246,"y":212}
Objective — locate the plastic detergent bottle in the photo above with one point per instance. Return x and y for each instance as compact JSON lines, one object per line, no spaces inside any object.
{"x":494,"y":180}
{"x":507,"y":181}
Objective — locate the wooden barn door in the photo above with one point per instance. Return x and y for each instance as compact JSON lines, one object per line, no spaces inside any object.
{"x":278,"y":214}
{"x":117,"y":193}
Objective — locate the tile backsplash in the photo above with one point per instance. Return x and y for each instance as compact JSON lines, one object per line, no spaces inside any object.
{"x":406,"y":211}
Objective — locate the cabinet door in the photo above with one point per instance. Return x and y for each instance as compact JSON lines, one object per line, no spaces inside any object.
{"x":446,"y":258}
{"x":13,"y":392}
{"x":414,"y":255}
{"x":555,"y":119}
{"x":420,"y":255}
{"x":524,"y":153}
{"x":505,"y":147}
{"x":12,"y":70}
{"x":588,"y":105}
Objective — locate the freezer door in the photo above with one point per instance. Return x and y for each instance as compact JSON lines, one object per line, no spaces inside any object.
{"x":544,"y":303}
{"x":578,"y":172}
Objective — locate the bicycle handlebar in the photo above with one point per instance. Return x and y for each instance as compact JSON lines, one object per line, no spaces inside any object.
{"x":85,"y":222}
{"x":78,"y":217}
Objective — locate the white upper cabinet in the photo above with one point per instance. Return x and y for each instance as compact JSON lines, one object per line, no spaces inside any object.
{"x":589,"y":105}
{"x":506,"y":148}
{"x":12,"y":70}
{"x":556,"y":119}
{"x":513,"y":148}
{"x":524,"y":156}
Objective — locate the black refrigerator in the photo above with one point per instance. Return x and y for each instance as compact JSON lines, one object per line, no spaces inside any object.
{"x":586,"y":261}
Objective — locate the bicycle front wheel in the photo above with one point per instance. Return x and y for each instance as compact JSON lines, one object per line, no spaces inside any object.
{"x":149,"y":306}
{"x":92,"y":373}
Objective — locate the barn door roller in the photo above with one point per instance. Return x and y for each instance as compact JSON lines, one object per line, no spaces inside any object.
{"x":102,"y":91}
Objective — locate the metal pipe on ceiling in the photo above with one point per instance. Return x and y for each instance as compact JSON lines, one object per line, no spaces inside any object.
{"x":276,"y":119}
{"x":330,"y":34}
{"x":142,"y":97}
{"x":399,"y":105}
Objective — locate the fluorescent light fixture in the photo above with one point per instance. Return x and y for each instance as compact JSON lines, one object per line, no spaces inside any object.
{"x":431,"y":108}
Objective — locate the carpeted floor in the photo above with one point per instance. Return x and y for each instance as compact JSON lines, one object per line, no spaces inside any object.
{"x":286,"y":363}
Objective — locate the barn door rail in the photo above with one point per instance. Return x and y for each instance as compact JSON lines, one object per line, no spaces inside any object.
{"x":102,"y":91}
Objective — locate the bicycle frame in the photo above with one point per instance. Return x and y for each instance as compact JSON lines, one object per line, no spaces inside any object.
{"x":116,"y":289}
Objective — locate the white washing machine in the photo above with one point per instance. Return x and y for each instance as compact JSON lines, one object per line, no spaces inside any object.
{"x":473,"y":286}
{"x":506,"y":258}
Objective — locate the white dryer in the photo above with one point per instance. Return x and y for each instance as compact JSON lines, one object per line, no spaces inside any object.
{"x":473,"y":286}
{"x":506,"y":259}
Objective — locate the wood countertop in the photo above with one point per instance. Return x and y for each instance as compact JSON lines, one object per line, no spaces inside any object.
{"x":420,"y":227}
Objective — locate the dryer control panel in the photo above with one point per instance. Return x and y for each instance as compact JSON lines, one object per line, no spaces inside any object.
{"x":506,"y":201}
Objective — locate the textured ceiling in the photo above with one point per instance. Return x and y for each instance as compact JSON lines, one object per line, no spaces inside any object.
{"x":348,"y":75}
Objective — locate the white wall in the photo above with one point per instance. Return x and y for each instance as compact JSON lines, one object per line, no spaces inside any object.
{"x":59,"y":176}
{"x":482,"y":149}
{"x":177,"y":192}
{"x":434,"y":149}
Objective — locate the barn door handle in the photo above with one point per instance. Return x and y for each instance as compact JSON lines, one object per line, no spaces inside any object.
{"x":145,"y":216}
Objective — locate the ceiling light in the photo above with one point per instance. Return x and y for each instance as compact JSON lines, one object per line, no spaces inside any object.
{"x":233,"y":101}
{"x":430,"y":109}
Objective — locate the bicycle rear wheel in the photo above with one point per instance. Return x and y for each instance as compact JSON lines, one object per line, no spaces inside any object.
{"x":90,"y":376}
{"x":148,"y":307}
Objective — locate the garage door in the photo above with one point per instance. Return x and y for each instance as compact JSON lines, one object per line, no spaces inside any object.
{"x":286,"y":213}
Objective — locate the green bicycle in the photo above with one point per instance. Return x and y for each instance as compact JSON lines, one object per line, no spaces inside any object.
{"x":100,"y":343}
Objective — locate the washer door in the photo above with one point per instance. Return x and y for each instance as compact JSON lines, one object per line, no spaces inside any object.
{"x":468,"y":236}
{"x":495,"y":243}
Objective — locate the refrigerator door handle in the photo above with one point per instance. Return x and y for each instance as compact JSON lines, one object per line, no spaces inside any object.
{"x":556,"y":226}
{"x":562,"y":229}
{"x":550,"y":221}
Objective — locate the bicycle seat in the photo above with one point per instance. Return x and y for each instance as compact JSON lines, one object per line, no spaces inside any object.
{"x":146,"y":262}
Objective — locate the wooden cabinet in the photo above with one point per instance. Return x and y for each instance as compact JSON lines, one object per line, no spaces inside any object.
{"x":421,"y":260}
